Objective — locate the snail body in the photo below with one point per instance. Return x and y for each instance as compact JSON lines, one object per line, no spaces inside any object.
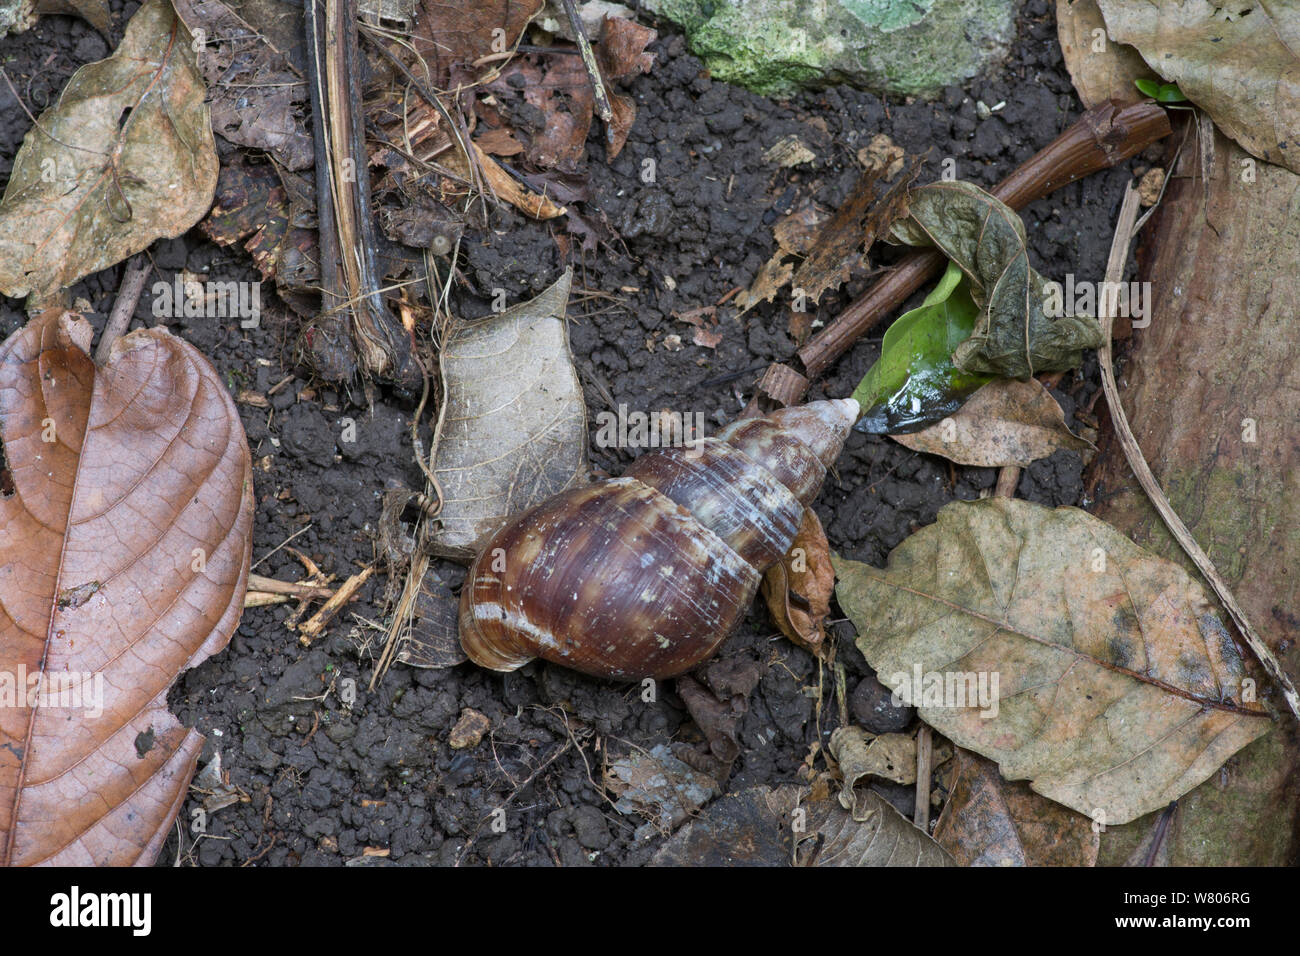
{"x":647,"y":574}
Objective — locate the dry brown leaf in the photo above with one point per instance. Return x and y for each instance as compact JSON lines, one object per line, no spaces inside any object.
{"x":1006,"y":422}
{"x":506,"y":187}
{"x":124,"y":551}
{"x":124,"y":157}
{"x":1238,"y":60}
{"x":1047,"y":641}
{"x":621,"y":55}
{"x":990,"y":822}
{"x":866,"y":214}
{"x":450,"y":35}
{"x":512,"y":427}
{"x":257,"y":98}
{"x":1101,"y":68}
{"x":861,"y":754}
{"x":804,"y":574}
{"x":797,"y":230}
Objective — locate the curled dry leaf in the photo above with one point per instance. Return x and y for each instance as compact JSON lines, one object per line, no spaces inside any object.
{"x":861,"y":754}
{"x":1006,"y":422}
{"x":1100,"y":68}
{"x":124,"y":547}
{"x":784,"y":827}
{"x":798,"y":588}
{"x":512,"y":427}
{"x":1014,"y":337}
{"x":621,"y":55}
{"x":1238,"y":61}
{"x":988,"y":821}
{"x":124,"y":157}
{"x":1047,"y":641}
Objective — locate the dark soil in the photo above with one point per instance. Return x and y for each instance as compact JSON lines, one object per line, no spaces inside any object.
{"x":325,"y":780}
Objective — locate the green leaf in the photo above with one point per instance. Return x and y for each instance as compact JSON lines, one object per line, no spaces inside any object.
{"x":1160,"y":92}
{"x":914,"y":382}
{"x":1014,"y":336}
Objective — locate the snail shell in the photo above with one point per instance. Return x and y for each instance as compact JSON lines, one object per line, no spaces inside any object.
{"x":646,"y":575}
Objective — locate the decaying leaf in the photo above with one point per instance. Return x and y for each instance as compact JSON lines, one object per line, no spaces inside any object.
{"x":839,"y":244}
{"x":258,"y":99}
{"x":914,"y":382}
{"x":990,"y":822}
{"x":718,"y":702}
{"x":621,"y":55}
{"x":1101,"y":68}
{"x":94,"y":12}
{"x":866,"y":214}
{"x":797,"y":230}
{"x":123,"y":158}
{"x":798,"y":588}
{"x":1006,"y":422}
{"x":1014,"y":336}
{"x":862,"y":754}
{"x":454,"y":35}
{"x":124,"y":552}
{"x":1047,"y":641}
{"x":1237,"y":60}
{"x":784,"y":827}
{"x":512,"y":426}
{"x":504,"y":186}
{"x":657,"y":786}
{"x":433,"y":637}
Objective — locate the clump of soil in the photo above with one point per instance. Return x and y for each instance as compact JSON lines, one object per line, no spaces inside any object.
{"x":326,"y":779}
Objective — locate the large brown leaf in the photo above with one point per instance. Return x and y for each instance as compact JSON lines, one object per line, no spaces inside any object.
{"x":1118,"y":689}
{"x":1238,"y":60}
{"x":124,"y":546}
{"x":125,"y":156}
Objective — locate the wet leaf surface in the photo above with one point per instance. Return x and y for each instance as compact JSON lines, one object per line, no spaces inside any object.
{"x":1118,"y":688}
{"x":914,"y":382}
{"x":124,"y":157}
{"x":124,"y":552}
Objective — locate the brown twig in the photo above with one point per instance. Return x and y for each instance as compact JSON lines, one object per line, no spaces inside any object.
{"x":313,"y":628}
{"x":603,"y":109}
{"x":1124,"y":229}
{"x":128,"y":297}
{"x":1105,"y":135}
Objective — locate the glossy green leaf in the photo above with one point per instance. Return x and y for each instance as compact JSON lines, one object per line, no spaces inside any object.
{"x":1160,"y":92}
{"x":914,"y":382}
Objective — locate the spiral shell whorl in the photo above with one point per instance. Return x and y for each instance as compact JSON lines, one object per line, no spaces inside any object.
{"x":645,"y":575}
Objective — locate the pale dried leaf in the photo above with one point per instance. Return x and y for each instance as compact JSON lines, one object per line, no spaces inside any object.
{"x":512,"y":428}
{"x":1118,"y":688}
{"x":1101,"y":68}
{"x":1006,"y":422}
{"x":124,"y":157}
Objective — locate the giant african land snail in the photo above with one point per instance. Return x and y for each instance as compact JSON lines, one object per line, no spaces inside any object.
{"x":646,"y":575}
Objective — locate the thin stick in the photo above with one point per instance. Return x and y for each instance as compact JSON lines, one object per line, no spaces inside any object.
{"x":589,"y":61}
{"x":128,"y":297}
{"x":924,"y":759}
{"x":312,"y":629}
{"x":1124,"y":230}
